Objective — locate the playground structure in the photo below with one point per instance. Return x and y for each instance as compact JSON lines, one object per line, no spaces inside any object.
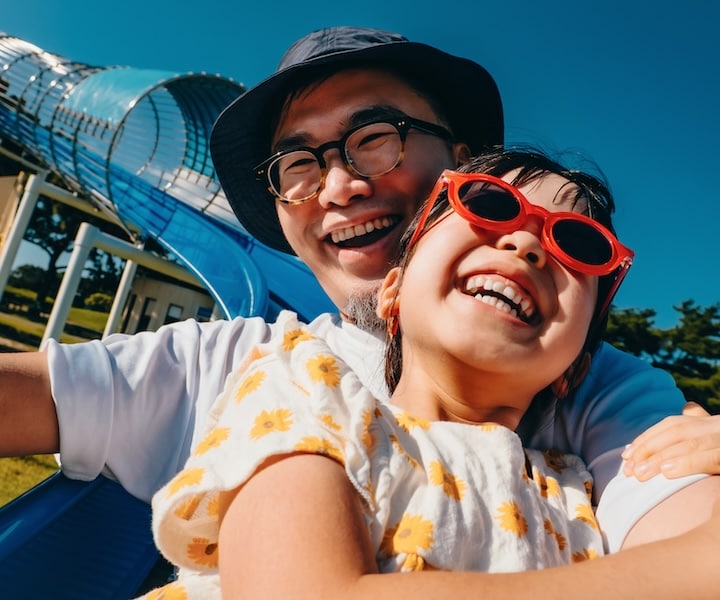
{"x":132,"y":146}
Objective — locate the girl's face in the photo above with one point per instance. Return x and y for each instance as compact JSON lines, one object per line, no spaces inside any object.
{"x":495,"y":304}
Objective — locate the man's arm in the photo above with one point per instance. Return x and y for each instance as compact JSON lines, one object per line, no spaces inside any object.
{"x":685,"y":509}
{"x":28,"y":421}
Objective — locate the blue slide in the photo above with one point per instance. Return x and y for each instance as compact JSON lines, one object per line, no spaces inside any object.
{"x":134,"y":143}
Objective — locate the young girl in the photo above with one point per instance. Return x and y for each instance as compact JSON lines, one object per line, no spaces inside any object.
{"x":306,"y":486}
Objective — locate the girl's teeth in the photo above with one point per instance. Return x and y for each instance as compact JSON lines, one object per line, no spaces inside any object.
{"x":479,"y":283}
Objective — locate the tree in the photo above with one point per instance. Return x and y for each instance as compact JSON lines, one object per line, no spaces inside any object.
{"x":632,"y":330}
{"x":27,"y":276}
{"x":689,"y":351}
{"x":101,"y":275}
{"x":52,"y":228}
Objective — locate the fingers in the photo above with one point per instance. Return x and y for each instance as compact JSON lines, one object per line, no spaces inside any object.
{"x":704,"y":461}
{"x":693,"y":409}
{"x":676,"y":446}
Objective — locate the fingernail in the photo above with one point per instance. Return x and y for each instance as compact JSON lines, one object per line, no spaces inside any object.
{"x":668,"y":466}
{"x":627,"y":453}
{"x":641,"y":469}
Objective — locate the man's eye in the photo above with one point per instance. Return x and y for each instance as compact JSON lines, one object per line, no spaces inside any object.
{"x":373,"y":141}
{"x":297,"y":164}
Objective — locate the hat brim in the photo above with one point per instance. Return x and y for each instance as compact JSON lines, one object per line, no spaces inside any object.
{"x":240,"y":140}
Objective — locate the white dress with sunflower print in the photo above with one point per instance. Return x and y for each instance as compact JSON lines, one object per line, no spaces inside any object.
{"x":437,"y":495}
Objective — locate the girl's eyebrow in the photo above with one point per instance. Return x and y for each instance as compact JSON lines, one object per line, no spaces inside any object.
{"x":572,"y":196}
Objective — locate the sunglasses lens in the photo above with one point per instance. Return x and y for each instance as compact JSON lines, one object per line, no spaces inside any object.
{"x":489,"y":201}
{"x":582,"y":241}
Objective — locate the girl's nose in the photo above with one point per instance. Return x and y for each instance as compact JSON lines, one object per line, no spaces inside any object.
{"x":525,"y":244}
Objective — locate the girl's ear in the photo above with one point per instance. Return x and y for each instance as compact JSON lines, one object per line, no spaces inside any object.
{"x":387,"y":305}
{"x":462,"y":154}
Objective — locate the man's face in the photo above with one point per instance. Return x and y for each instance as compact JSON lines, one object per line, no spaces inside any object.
{"x":349,"y":234}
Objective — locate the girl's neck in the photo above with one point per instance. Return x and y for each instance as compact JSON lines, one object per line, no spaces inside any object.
{"x":482,"y":401}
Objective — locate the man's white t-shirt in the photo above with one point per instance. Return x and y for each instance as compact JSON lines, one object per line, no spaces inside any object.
{"x":132,"y":407}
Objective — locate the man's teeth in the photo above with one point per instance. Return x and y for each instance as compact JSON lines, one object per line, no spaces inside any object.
{"x":501,"y":295}
{"x":350,"y":232}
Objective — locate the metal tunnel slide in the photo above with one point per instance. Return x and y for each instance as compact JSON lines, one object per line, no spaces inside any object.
{"x":135,"y":143}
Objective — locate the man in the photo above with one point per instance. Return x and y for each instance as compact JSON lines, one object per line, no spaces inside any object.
{"x":132,"y":407}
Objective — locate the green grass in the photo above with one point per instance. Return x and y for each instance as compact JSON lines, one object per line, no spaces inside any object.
{"x":28,"y":295}
{"x":22,"y":323}
{"x":16,"y":325}
{"x":91,"y":319}
{"x":17,"y":475}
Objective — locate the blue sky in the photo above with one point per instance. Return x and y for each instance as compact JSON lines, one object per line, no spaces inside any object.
{"x":632,"y":85}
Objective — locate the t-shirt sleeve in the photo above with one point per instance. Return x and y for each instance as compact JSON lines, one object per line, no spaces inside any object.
{"x":287,"y":400}
{"x":129,"y":406}
{"x":620,"y":398}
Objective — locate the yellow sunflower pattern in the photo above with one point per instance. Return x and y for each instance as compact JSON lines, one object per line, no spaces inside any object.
{"x":292,"y":338}
{"x":203,"y":552}
{"x":330,"y":422}
{"x":171,"y":591}
{"x":585,"y":513}
{"x":584,"y":554}
{"x":408,"y":422}
{"x":453,"y":486}
{"x":420,"y":495}
{"x":213,"y":505}
{"x":324,"y":368}
{"x":316,"y":445}
{"x":412,"y":535}
{"x":559,"y":537}
{"x":511,"y":518}
{"x":186,"y":509}
{"x":548,"y":486}
{"x":251,"y":383}
{"x":402,"y":452}
{"x":367,"y":437}
{"x":488,"y":426}
{"x":185,"y":478}
{"x":554,"y":459}
{"x":212,"y":440}
{"x":271,"y":421}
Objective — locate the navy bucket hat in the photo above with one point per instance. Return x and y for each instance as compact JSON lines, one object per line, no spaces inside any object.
{"x":465,"y":93}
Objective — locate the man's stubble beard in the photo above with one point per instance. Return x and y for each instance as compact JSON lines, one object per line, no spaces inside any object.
{"x":361,"y":309}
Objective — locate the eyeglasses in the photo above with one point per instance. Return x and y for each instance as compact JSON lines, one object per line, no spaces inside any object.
{"x":369,"y":150}
{"x":576,"y":241}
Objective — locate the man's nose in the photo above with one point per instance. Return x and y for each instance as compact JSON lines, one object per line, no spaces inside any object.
{"x":341,"y":185}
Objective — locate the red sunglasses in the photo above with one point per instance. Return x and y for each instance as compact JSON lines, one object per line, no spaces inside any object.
{"x":576,"y":241}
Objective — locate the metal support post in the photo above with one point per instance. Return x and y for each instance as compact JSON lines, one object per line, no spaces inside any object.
{"x":84,"y":242}
{"x":121,"y":295}
{"x":10,"y":248}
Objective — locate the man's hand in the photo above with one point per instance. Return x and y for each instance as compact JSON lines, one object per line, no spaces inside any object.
{"x":676,"y":446}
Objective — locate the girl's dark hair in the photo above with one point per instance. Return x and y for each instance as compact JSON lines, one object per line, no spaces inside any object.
{"x":532,"y":164}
